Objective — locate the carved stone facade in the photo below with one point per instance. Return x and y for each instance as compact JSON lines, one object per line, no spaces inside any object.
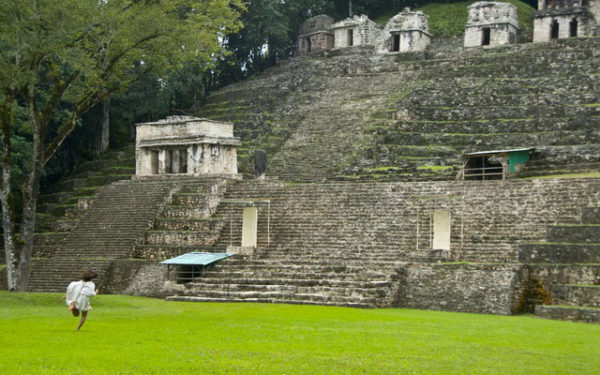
{"x":491,"y":24}
{"x":406,"y":32}
{"x":315,"y":35}
{"x":183,"y":145}
{"x":558,"y":19}
{"x":356,"y":31}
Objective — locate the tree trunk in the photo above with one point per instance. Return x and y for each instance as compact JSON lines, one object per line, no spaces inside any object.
{"x":8,"y":224}
{"x":349,"y":8}
{"x":105,"y":130}
{"x":30,"y":193}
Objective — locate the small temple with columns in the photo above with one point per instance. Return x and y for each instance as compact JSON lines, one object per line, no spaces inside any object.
{"x":184,"y":145}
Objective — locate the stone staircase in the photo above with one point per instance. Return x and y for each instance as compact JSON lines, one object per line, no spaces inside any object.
{"x":409,"y":117}
{"x":61,"y":205}
{"x":568,"y":265}
{"x":117,"y":219}
{"x":187,"y":223}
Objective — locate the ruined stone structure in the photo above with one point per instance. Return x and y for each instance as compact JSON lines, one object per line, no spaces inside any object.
{"x":355,"y":31}
{"x":315,"y":35}
{"x":183,"y":145}
{"x":411,"y":235}
{"x":558,"y":19}
{"x":406,"y":32}
{"x":491,"y":24}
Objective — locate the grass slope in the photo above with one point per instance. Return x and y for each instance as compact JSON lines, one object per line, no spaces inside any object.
{"x":128,"y":335}
{"x":449,"y":19}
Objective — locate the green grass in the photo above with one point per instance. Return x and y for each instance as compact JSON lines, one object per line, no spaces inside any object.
{"x":127,"y":335}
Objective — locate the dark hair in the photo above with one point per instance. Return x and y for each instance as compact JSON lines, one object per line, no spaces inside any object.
{"x":88,"y":275}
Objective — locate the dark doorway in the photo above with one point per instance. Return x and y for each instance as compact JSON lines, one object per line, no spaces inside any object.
{"x":154,"y":161}
{"x":396,"y":43}
{"x":350,"y":37}
{"x":573,"y":28}
{"x":486,"y":36}
{"x":168,"y":161}
{"x":554,"y":30}
{"x":308,"y":44}
{"x":183,"y":156}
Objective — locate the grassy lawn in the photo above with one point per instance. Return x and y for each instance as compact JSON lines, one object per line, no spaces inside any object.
{"x":127,"y":335}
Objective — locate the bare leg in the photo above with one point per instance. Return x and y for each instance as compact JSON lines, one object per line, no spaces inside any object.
{"x":82,"y":320}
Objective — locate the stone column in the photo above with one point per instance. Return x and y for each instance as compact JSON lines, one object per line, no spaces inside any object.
{"x":162,"y":161}
{"x":175,"y":164}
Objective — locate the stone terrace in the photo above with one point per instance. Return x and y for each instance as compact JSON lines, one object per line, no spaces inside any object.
{"x":407,"y":117}
{"x":347,"y":244}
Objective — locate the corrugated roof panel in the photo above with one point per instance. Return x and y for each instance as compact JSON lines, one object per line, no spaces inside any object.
{"x":197,"y":259}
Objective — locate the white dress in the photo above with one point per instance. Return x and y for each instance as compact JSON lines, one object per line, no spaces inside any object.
{"x":80,"y":292}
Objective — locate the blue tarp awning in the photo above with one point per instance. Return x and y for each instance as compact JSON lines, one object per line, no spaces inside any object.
{"x":197,"y":259}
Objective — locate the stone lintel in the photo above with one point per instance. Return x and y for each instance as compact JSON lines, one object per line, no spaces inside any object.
{"x":399,"y":31}
{"x":562,"y":12}
{"x":187,"y":141}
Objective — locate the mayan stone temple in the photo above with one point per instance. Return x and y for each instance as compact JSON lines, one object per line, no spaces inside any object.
{"x":380,"y":166}
{"x":407,"y":31}
{"x":558,"y":19}
{"x":491,"y":24}
{"x":183,"y":145}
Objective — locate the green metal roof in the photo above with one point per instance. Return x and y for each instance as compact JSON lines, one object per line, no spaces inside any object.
{"x":197,"y":259}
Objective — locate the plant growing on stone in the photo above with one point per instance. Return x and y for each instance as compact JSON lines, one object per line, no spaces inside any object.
{"x":60,"y":58}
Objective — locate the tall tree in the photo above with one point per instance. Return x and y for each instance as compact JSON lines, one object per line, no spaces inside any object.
{"x":69,"y":55}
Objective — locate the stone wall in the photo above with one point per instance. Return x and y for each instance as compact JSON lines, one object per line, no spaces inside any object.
{"x":394,"y":220}
{"x":477,"y":288}
{"x":138,"y":278}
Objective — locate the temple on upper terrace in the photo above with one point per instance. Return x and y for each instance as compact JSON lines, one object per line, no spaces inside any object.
{"x":489,"y":23}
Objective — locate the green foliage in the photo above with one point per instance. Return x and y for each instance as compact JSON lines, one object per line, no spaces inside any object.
{"x":127,"y":335}
{"x":60,"y":58}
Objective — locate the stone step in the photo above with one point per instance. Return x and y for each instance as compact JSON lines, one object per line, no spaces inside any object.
{"x":578,"y":314}
{"x":488,"y":127}
{"x":297,"y":289}
{"x":54,"y":275}
{"x":567,"y":274}
{"x":293,"y":277}
{"x":207,"y":224}
{"x":182,"y":212}
{"x":576,"y":295}
{"x":184,"y":238}
{"x":291,"y":300}
{"x":559,"y":253}
{"x":574,"y":233}
{"x":321,"y":298}
{"x":591,"y":215}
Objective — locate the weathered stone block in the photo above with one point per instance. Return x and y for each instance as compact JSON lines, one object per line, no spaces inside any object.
{"x":559,"y":253}
{"x":579,"y":314}
{"x":574,"y":233}
{"x":475,"y":288}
